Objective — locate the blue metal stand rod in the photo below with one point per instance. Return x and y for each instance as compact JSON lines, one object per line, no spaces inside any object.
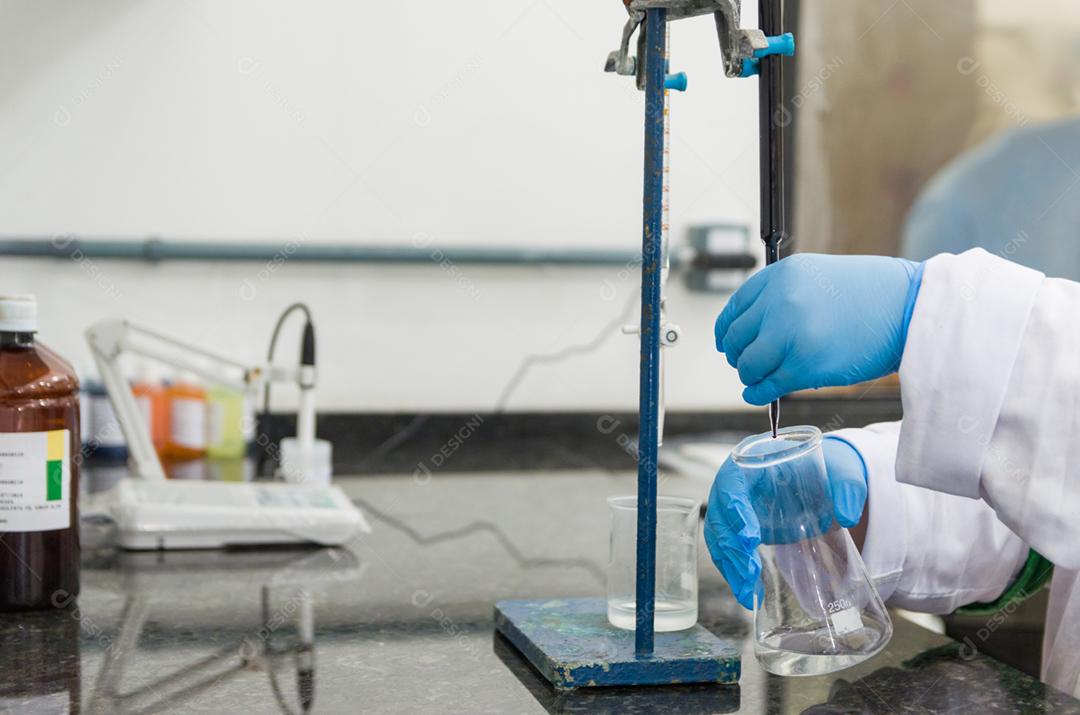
{"x":649,"y":399}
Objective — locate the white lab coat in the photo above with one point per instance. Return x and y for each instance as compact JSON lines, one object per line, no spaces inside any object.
{"x":986,"y":462}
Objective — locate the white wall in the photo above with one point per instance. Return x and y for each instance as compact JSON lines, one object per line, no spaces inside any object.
{"x":483,"y":123}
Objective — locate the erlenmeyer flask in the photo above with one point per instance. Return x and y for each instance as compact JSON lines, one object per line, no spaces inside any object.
{"x":816,"y":610}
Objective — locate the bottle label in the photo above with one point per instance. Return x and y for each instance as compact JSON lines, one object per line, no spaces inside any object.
{"x":35,"y":480}
{"x":189,"y":423}
{"x":845,"y":617}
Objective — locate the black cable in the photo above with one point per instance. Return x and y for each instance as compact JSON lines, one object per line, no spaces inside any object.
{"x":308,"y":347}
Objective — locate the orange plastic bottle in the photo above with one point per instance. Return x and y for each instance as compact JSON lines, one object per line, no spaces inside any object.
{"x":187,"y":419}
{"x":39,"y":467}
{"x":154,"y":406}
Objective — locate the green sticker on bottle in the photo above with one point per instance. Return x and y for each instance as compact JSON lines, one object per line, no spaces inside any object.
{"x":54,"y":487}
{"x":54,"y":465}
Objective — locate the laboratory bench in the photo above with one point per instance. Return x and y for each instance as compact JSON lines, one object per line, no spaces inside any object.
{"x":400,"y":620}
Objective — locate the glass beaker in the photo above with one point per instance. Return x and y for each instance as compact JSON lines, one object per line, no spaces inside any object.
{"x":677,"y":521}
{"x":816,"y":610}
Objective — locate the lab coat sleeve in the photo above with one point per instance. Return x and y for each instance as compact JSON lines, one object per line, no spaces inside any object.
{"x":990,"y":382}
{"x":929,"y":551}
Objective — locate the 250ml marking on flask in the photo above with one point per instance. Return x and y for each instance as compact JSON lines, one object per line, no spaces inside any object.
{"x":844,"y":616}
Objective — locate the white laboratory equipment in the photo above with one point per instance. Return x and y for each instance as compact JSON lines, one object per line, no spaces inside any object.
{"x":152,"y":512}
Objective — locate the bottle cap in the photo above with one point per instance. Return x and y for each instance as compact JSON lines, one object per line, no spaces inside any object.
{"x":18,"y":314}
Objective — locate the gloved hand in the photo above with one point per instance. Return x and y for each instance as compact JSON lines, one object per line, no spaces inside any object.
{"x":733,"y":529}
{"x":812,"y":320}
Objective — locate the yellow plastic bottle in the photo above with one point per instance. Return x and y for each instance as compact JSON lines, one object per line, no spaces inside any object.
{"x":225,"y":423}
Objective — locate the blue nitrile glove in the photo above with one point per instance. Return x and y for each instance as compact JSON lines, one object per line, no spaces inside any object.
{"x":813,"y":320}
{"x":740,"y":516}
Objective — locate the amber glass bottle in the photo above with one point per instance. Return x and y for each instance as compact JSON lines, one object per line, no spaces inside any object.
{"x":39,"y":474}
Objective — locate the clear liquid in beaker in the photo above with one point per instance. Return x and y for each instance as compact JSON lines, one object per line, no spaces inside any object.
{"x":819,"y":650}
{"x":671,"y":614}
{"x":676,"y":600}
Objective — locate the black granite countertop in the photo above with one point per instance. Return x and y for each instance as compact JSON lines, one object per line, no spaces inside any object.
{"x":402,"y":621}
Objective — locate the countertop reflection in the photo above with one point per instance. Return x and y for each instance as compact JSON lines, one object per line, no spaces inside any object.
{"x":400,"y":621}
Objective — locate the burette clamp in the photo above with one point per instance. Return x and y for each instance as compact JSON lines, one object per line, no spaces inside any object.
{"x":737,"y":45}
{"x":670,"y":333}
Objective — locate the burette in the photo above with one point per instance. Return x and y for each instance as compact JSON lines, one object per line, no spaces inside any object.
{"x":665,"y":232}
{"x":665,"y":243}
{"x":669,"y":332}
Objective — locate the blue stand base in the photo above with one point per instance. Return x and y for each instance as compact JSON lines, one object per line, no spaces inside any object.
{"x":572,"y":644}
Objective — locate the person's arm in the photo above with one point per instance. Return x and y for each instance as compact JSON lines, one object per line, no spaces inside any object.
{"x":990,"y":381}
{"x":929,"y":551}
{"x":925,"y":550}
{"x":990,"y":378}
